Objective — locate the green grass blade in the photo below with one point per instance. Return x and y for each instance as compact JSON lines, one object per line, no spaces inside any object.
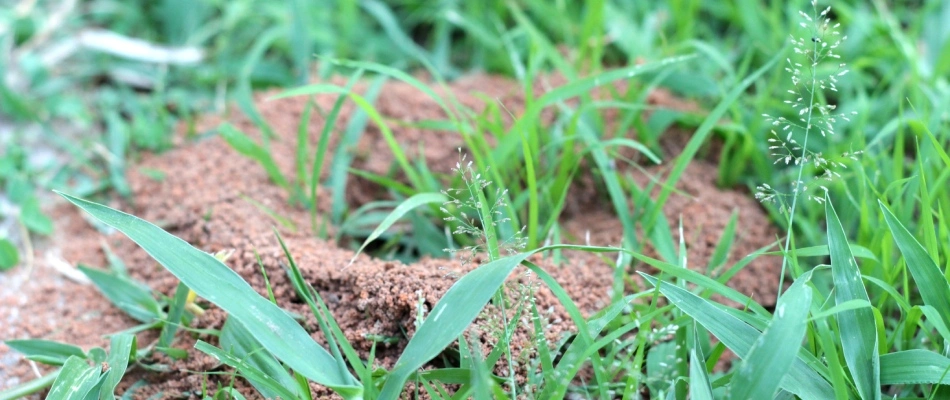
{"x":699,"y":385}
{"x":544,"y":353}
{"x":704,"y":281}
{"x":914,"y":367}
{"x":921,"y":129}
{"x":300,"y":158}
{"x":849,"y":305}
{"x":591,"y":139}
{"x":857,"y":329}
{"x":823,"y":335}
{"x":931,"y":283}
{"x":343,"y":156}
{"x":243,"y":93}
{"x":454,"y":312}
{"x":9,"y":256}
{"x":738,"y":336}
{"x":75,"y":380}
{"x":937,"y":321}
{"x":400,"y":75}
{"x":117,"y":132}
{"x":583,"y":345}
{"x":122,"y":349}
{"x":328,"y":325}
{"x":176,"y":310}
{"x":389,"y":22}
{"x":822,"y":251}
{"x":531,"y":179}
{"x":301,"y":43}
{"x":238,"y":342}
{"x":404,"y":207}
{"x":29,"y":387}
{"x":215,"y":282}
{"x":125,"y":294}
{"x":244,"y":145}
{"x":307,"y":90}
{"x":721,"y":253}
{"x":324,"y":142}
{"x":394,"y":145}
{"x":774,"y":352}
{"x":259,"y":379}
{"x":45,"y":351}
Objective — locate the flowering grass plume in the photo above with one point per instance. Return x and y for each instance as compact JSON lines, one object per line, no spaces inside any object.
{"x":471,"y":218}
{"x":789,"y":138}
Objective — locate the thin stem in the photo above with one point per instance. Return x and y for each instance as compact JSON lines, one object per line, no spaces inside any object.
{"x":485,"y":215}
{"x":801,"y":168}
{"x":30,"y":387}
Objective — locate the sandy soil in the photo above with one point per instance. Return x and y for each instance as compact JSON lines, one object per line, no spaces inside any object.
{"x":200,"y":199}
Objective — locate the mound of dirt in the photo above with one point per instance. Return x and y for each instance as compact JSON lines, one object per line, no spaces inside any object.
{"x":206,"y":195}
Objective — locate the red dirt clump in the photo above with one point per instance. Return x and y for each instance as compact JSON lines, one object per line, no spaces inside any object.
{"x":206,"y":195}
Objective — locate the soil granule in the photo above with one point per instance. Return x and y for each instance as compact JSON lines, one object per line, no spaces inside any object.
{"x":206,"y":194}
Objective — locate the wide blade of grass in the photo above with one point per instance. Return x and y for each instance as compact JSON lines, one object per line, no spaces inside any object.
{"x":774,"y":352}
{"x":125,"y":294}
{"x":454,"y":312}
{"x":75,"y":380}
{"x":451,"y":315}
{"x":214,"y":281}
{"x":856,"y":327}
{"x":914,"y":367}
{"x":267,"y":385}
{"x":9,"y":256}
{"x":237,"y":341}
{"x":738,"y":336}
{"x":583,"y":346}
{"x":699,"y":386}
{"x":45,"y":351}
{"x":931,"y":283}
{"x":29,"y":387}
{"x":336,"y":339}
{"x":176,"y":310}
{"x":842,"y":307}
{"x":122,"y":349}
{"x":937,"y":321}
{"x":400,"y":210}
{"x":697,"y":278}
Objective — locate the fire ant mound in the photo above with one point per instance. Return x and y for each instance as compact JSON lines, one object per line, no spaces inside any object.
{"x":204,"y":192}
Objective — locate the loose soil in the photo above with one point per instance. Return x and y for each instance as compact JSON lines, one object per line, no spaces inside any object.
{"x":202,"y":197}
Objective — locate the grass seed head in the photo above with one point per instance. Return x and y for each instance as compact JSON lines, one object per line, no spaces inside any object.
{"x":812,"y":49}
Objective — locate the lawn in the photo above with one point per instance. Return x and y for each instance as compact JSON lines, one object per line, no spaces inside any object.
{"x":504,"y":199}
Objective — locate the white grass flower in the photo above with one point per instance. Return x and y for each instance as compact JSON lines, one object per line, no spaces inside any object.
{"x":806,"y":102}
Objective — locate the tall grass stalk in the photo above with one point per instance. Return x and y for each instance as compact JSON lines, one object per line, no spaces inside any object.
{"x":487,"y":217}
{"x":806,"y":103}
